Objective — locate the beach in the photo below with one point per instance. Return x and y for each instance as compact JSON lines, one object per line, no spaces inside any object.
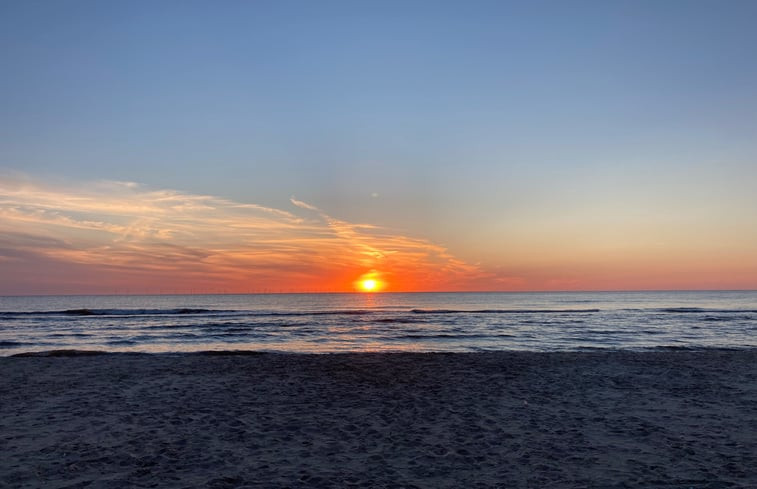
{"x":596,"y":419}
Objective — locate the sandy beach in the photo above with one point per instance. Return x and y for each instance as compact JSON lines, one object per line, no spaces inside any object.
{"x":668,"y":419}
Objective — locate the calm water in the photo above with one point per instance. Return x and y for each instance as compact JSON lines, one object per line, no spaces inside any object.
{"x":380,"y":322}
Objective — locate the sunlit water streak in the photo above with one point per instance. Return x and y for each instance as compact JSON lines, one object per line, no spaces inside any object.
{"x":324,"y":323}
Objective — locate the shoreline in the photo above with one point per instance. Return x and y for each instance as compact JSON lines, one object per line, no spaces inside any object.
{"x":673,"y":418}
{"x":68,"y":352}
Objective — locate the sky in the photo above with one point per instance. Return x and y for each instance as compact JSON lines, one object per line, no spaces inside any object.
{"x":196,"y":147}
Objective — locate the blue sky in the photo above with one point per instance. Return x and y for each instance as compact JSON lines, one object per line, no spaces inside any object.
{"x":485,"y":127}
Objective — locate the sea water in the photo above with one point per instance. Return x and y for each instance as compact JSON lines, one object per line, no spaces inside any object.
{"x":383,"y":322}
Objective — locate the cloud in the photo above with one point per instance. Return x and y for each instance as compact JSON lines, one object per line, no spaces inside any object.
{"x":303,"y":205}
{"x":105,"y":235}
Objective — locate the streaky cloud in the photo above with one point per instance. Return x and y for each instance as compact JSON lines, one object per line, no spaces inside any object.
{"x":108,"y":235}
{"x":303,"y":205}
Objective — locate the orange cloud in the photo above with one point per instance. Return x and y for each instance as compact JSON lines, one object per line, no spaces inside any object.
{"x":121,"y":237}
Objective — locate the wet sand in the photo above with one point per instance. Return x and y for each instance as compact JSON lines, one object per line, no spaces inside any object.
{"x":668,"y":419}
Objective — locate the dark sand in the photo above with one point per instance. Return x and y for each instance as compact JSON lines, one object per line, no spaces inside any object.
{"x":677,"y":419}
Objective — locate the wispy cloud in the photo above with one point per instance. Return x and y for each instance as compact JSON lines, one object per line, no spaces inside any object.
{"x":111,"y":236}
{"x":303,"y":205}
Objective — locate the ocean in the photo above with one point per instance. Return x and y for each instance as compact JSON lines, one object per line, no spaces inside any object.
{"x":382,"y":322}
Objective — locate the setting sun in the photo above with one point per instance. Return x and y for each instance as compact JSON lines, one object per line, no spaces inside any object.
{"x":369,"y":282}
{"x":368,"y":285}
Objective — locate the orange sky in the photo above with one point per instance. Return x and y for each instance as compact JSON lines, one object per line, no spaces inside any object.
{"x":116,"y":237}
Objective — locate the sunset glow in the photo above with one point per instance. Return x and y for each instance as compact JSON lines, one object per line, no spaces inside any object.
{"x":370,"y":282}
{"x":369,"y":285}
{"x":120,"y":237}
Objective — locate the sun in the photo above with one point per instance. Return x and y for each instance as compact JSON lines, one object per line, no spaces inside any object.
{"x":369,"y":282}
{"x":369,"y":285}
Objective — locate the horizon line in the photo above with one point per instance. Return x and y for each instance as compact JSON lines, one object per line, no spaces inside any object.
{"x":555,"y":291}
